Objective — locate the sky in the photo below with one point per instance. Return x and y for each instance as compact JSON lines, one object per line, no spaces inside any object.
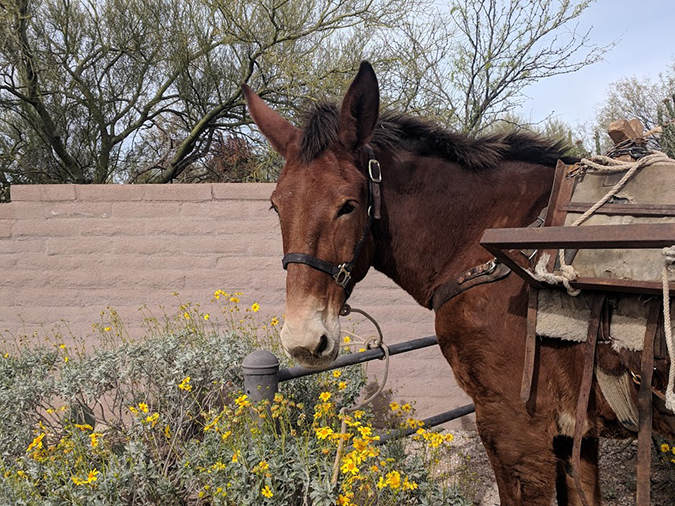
{"x":644,"y":33}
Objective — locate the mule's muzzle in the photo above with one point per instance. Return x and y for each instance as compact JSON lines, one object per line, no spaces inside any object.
{"x":317,"y":358}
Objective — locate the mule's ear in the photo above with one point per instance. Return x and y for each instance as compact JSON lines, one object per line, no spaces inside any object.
{"x":276,"y":129}
{"x":360,"y":108}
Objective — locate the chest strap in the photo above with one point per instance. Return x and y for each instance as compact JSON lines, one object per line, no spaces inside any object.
{"x":488,"y":272}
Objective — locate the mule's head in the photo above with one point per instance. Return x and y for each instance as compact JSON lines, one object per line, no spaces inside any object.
{"x":322,"y":201}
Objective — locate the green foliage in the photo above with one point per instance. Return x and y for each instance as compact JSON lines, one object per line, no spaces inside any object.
{"x":149,"y":91}
{"x":161,"y":420}
{"x":648,"y":100}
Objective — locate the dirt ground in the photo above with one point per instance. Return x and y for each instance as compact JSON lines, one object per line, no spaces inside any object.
{"x":618,"y":459}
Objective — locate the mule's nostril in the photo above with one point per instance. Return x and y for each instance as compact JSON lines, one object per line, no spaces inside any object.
{"x":323,"y":345}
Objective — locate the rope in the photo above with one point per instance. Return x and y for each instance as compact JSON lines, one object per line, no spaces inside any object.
{"x":669,"y":265}
{"x":599,"y":164}
{"x":369,"y":343}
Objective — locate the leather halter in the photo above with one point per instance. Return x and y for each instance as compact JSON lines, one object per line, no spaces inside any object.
{"x":342,"y":273}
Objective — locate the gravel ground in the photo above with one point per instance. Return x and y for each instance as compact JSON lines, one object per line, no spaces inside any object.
{"x":618,"y":460}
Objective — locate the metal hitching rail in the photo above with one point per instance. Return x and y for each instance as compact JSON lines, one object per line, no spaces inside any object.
{"x":262,"y":376}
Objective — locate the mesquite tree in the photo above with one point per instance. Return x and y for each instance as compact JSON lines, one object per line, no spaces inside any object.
{"x":96,"y":91}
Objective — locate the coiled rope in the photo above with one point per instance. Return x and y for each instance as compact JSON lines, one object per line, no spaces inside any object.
{"x":368,"y":343}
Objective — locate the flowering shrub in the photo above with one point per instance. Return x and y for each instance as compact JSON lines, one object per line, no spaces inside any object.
{"x":161,"y":420}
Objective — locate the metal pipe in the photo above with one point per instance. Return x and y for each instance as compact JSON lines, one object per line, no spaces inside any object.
{"x":359,"y":358}
{"x":260,"y":375}
{"x":432,"y":421}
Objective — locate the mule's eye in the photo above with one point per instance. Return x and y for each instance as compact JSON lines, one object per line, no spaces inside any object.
{"x":347,"y":208}
{"x":274,"y":208}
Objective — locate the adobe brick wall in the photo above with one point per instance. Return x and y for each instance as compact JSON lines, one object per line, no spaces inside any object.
{"x":68,"y":251}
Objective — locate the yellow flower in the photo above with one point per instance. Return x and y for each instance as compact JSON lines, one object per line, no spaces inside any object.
{"x":62,"y":346}
{"x":255,"y":307}
{"x":6,"y":355}
{"x":107,"y":329}
{"x":242,"y":401}
{"x":167,"y":432}
{"x":393,"y":479}
{"x":278,"y":397}
{"x":235,"y":457}
{"x":337,"y":373}
{"x":365,"y":431}
{"x":152,"y":419}
{"x":37,"y":442}
{"x":342,"y":385}
{"x":92,"y":476}
{"x":349,"y":466}
{"x":234,"y":299}
{"x":343,"y":500}
{"x":409,"y":485}
{"x":324,"y":396}
{"x":406,"y":407}
{"x":263,"y":466}
{"x":185,"y":384}
{"x":206,"y":317}
{"x":143,"y":407}
{"x":267,"y":491}
{"x":347,"y":339}
{"x":225,"y":435}
{"x":133,"y":409}
{"x":394,"y":406}
{"x":95,"y":436}
{"x":83,"y":426}
{"x":665,"y":448}
{"x":323,"y":432}
{"x":274,"y":322}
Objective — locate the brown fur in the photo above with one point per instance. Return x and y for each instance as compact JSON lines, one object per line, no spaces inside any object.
{"x":440,"y":191}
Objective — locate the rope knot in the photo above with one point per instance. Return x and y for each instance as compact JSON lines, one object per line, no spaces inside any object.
{"x":669,"y":257}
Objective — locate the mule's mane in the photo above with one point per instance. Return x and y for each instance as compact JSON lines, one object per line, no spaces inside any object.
{"x":399,"y":131}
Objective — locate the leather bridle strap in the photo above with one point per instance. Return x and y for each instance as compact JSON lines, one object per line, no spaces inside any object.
{"x":490,"y":271}
{"x":343,"y":273}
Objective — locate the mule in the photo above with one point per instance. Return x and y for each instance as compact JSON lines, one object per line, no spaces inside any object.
{"x":421,"y":226}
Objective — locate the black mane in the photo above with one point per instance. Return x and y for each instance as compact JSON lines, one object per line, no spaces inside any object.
{"x":399,"y":131}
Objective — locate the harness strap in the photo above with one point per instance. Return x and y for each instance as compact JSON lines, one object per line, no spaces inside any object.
{"x":644,"y":404}
{"x":585,"y":393}
{"x":316,"y":263}
{"x":488,"y":272}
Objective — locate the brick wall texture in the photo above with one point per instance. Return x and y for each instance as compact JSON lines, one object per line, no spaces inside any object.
{"x":68,"y":251}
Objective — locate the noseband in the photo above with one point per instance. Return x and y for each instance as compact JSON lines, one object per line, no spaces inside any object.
{"x":343,"y":273}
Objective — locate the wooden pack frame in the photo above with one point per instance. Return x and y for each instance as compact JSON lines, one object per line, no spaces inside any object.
{"x":508,"y":246}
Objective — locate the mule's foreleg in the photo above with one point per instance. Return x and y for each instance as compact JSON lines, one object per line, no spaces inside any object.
{"x":521,"y":454}
{"x":566,"y":489}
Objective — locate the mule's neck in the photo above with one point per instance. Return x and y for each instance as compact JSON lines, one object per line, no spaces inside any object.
{"x":434,"y":213}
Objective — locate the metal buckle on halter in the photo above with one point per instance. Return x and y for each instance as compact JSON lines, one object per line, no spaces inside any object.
{"x":375,"y":176}
{"x":342,"y":276}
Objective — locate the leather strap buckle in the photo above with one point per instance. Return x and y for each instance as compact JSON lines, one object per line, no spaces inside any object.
{"x":374,"y":171}
{"x":342,"y":276}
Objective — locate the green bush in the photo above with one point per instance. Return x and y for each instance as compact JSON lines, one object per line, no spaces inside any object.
{"x":162,"y":420}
